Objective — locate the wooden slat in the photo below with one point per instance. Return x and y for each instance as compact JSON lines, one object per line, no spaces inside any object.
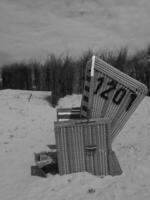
{"x":64,"y":114}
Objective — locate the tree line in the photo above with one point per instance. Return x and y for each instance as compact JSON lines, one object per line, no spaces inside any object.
{"x":65,"y":75}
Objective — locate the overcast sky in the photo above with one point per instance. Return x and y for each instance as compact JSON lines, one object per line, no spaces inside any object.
{"x":34,"y":28}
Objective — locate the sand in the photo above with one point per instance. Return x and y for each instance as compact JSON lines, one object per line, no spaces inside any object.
{"x":26,"y":126}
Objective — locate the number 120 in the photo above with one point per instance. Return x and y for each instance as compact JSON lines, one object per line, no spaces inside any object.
{"x":119,"y":93}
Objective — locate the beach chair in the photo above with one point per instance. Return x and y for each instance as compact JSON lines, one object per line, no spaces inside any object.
{"x":84,"y":135}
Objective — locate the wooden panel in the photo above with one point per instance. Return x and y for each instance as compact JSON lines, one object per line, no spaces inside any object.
{"x":83,"y":145}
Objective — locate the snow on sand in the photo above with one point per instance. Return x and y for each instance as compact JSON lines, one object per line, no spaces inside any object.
{"x":26,"y":126}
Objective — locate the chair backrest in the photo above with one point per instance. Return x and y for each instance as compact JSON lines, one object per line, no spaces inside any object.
{"x":110,"y":93}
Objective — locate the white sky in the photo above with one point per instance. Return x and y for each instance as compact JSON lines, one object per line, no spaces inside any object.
{"x":35,"y":28}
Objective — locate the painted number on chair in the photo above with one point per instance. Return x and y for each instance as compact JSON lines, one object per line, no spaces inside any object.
{"x":119,"y":93}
